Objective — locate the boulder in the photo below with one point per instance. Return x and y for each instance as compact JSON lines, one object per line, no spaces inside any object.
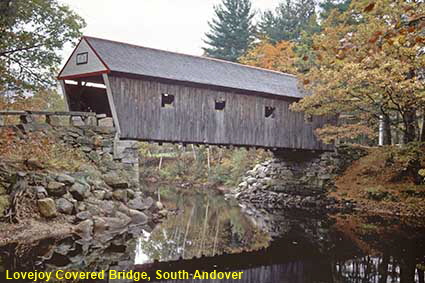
{"x":79,"y":191}
{"x":56,"y":188}
{"x":251,"y":180}
{"x":86,"y":148}
{"x":99,"y":194}
{"x":83,"y":140}
{"x":77,"y":121}
{"x":115,"y":181}
{"x":83,"y":215}
{"x":64,"y":178}
{"x":40,"y":192}
{"x":108,"y":195}
{"x":100,"y":225}
{"x":137,"y":217}
{"x":53,"y":120}
{"x":158,"y":205}
{"x":106,"y":122}
{"x":47,"y":207}
{"x":243,"y":185}
{"x":94,"y":156}
{"x":85,"y":229}
{"x":130,"y":193}
{"x":64,"y":206}
{"x":120,"y":195}
{"x":139,"y":204}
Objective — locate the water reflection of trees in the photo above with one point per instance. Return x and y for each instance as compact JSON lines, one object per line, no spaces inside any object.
{"x":206,"y":224}
{"x":378,"y":269}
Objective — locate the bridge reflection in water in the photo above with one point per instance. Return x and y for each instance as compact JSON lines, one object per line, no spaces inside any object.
{"x":360,"y":270}
{"x":311,"y":249}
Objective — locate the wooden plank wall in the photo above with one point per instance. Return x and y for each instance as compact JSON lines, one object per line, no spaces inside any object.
{"x":193,"y":118}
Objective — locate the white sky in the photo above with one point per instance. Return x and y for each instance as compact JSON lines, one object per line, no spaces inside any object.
{"x":174,"y":25}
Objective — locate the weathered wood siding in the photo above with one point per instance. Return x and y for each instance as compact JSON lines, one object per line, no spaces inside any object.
{"x":193,"y":119}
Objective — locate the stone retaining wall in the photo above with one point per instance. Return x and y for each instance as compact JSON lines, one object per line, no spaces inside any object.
{"x":94,"y":133}
{"x":297,"y":181}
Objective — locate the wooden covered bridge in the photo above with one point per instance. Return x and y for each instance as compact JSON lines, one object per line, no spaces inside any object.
{"x":161,"y":96}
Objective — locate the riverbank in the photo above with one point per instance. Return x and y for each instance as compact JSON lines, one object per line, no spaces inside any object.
{"x":379,"y":180}
{"x":65,"y":181}
{"x":385,"y":181}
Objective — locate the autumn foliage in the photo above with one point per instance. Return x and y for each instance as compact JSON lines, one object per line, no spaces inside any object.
{"x":39,"y":150}
{"x":279,"y":56}
{"x":369,"y":66}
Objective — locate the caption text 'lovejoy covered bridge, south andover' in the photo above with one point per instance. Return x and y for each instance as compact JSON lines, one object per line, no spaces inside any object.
{"x":161,"y":96}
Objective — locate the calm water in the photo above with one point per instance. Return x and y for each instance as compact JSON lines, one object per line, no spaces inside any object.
{"x":206,"y":232}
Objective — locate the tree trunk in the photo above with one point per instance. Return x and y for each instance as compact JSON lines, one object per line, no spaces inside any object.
{"x":383,"y":269}
{"x":422,"y":135}
{"x":407,"y":270}
{"x":409,"y":120}
{"x":384,"y":130}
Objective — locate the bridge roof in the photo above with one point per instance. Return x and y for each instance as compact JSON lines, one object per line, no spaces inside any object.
{"x":138,"y":60}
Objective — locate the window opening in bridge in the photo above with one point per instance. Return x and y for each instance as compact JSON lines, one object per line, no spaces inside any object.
{"x":269,"y":112}
{"x":220,"y":104}
{"x":167,"y":100}
{"x":82,"y":58}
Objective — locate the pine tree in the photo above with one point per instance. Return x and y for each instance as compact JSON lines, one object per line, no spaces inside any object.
{"x":232,"y":30}
{"x":289,"y":20}
{"x":327,"y":6}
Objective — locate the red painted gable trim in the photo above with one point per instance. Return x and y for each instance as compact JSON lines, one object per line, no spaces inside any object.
{"x":97,"y":54}
{"x":108,"y":70}
{"x":67,"y":61}
{"x":71,"y":77}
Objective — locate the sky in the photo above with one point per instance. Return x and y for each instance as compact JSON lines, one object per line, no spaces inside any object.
{"x":173,"y":25}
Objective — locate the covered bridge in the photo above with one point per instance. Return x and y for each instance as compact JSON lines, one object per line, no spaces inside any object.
{"x":161,"y":96}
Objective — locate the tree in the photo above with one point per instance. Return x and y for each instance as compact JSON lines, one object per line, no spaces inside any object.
{"x":289,"y":20}
{"x":278,"y":57}
{"x":327,"y":6}
{"x":370,"y":69}
{"x":31,"y":34}
{"x":232,"y":31}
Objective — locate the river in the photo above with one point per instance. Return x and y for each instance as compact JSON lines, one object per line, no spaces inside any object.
{"x":204,"y":231}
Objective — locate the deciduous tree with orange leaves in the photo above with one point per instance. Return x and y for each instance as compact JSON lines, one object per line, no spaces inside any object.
{"x":279,"y":57}
{"x":370,"y":65}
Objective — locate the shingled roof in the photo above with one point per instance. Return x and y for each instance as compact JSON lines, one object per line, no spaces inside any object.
{"x":132,"y":59}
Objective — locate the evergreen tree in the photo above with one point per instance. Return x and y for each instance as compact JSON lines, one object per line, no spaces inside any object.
{"x":327,"y":6}
{"x":289,"y":20}
{"x":232,"y":30}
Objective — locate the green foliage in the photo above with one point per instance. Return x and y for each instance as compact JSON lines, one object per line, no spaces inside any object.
{"x":289,"y":20}
{"x":232,"y":30}
{"x":226,"y":166}
{"x":327,"y":6}
{"x":31,"y":34}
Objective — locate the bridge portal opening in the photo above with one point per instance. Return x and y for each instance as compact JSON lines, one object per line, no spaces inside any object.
{"x":87,"y":94}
